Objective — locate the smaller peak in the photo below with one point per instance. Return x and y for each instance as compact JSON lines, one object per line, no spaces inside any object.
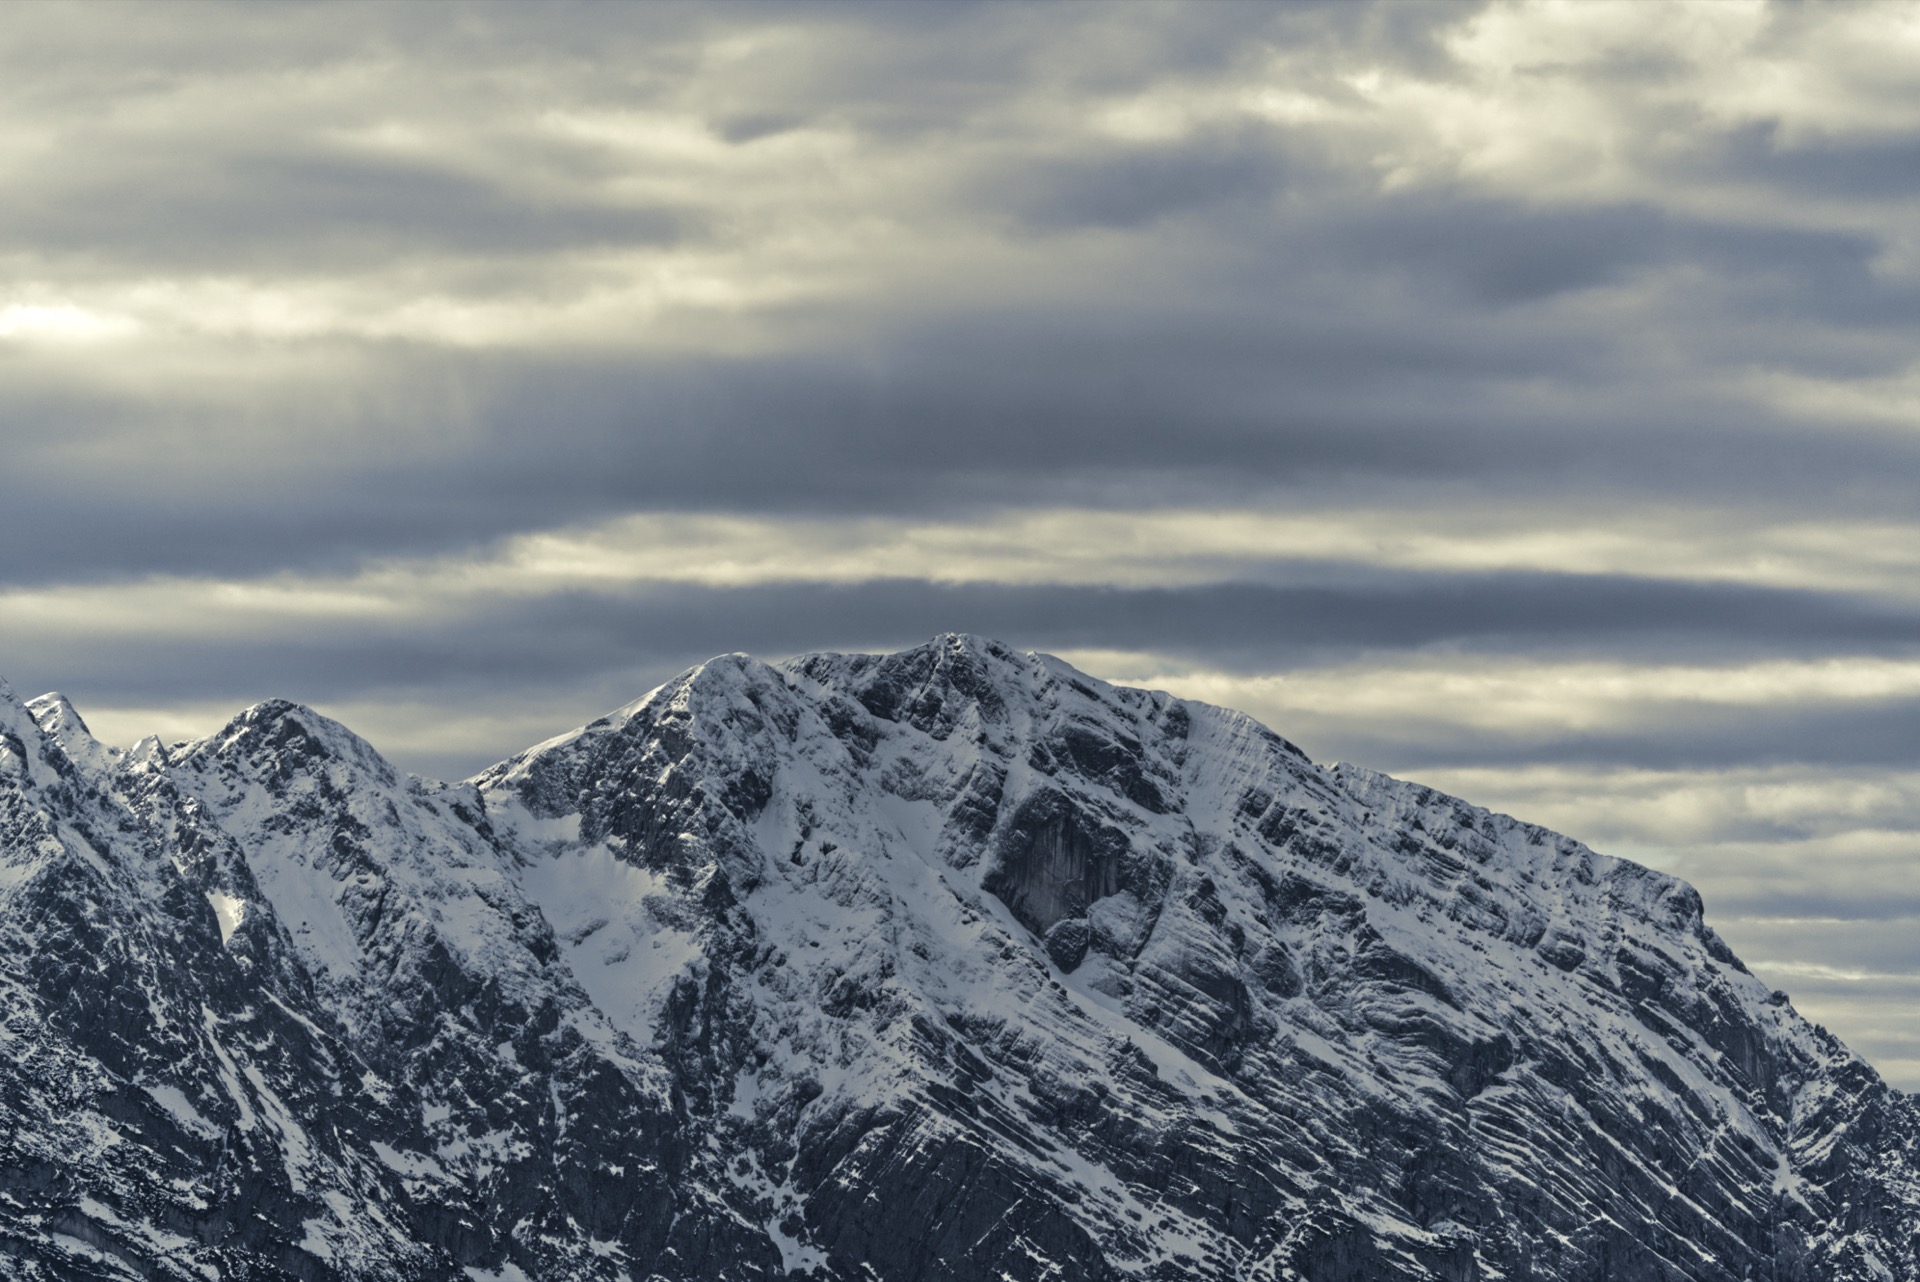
{"x":972,"y":645}
{"x":62,"y":723}
{"x":289,"y":731}
{"x":53,"y":712}
{"x":14,"y":715}
{"x":264,"y":718}
{"x":732,"y":662}
{"x":732,"y":671}
{"x":272,"y":709}
{"x":270,"y":712}
{"x":960,"y":652}
{"x":930,"y":685}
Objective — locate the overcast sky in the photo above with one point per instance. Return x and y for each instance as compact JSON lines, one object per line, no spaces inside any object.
{"x":1523,"y":399}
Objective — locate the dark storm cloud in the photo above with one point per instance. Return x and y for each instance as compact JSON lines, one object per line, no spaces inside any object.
{"x":1879,"y":895}
{"x":317,"y":211}
{"x":1466,"y":249}
{"x":555,"y":640}
{"x":1482,"y":252}
{"x":1240,"y":404}
{"x":1282,"y":326}
{"x":1675,"y":737}
{"x":1885,"y":941}
{"x":1885,"y":168}
{"x":1131,"y":186}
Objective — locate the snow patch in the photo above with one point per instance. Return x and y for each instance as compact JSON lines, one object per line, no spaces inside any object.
{"x":413,"y":1165}
{"x":614,"y":921}
{"x":229,"y":910}
{"x":175,"y":1101}
{"x":507,"y":1272}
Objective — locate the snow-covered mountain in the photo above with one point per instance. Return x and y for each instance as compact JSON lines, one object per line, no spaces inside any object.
{"x":949,"y":964}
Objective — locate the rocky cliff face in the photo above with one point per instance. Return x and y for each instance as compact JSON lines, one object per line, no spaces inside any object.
{"x":947,"y":965}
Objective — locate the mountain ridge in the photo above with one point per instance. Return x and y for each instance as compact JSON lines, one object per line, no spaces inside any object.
{"x":949,"y":964}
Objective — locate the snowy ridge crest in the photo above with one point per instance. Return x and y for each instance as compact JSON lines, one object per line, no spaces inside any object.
{"x":950,"y":964}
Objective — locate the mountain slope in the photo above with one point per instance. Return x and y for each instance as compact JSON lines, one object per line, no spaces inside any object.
{"x":949,"y":964}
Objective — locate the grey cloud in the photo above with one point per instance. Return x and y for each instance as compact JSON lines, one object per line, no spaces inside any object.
{"x":1354,"y":342}
{"x":567,"y":642}
{"x":1131,"y":186}
{"x":1886,"y":943}
{"x":1682,"y":737}
{"x":1883,"y":168}
{"x":234,"y":190}
{"x":918,"y":71}
{"x":317,"y":209}
{"x":1497,"y":252}
{"x":89,"y":60}
{"x":539,"y":443}
{"x":1239,"y":403}
{"x":1852,"y":889}
{"x":1462,"y":247}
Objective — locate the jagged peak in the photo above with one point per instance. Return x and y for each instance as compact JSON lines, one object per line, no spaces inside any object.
{"x":917,"y":684}
{"x":731,"y":671}
{"x":61,"y":722}
{"x":934,"y":686}
{"x":53,"y":712}
{"x":976,"y":667}
{"x":943,"y":650}
{"x":24,"y":741}
{"x":288,"y":732}
{"x":969,"y":657}
{"x":12,"y":711}
{"x":957,"y":646}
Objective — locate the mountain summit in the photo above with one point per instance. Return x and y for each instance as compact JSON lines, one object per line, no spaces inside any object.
{"x":941,"y":966}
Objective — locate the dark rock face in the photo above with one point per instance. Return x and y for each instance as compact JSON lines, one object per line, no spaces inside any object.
{"x":948,"y":965}
{"x":1054,"y":864}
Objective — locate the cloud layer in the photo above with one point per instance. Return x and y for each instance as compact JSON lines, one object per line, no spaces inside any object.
{"x":1519,"y":397}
